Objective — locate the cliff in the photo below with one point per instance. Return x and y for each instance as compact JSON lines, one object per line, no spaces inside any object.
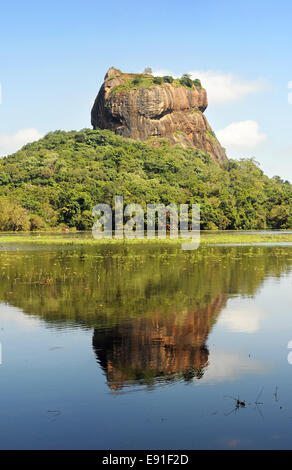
{"x":145,"y":107}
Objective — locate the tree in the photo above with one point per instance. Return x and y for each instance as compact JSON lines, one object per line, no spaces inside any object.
{"x":186,"y":80}
{"x":58,"y":180}
{"x":197,"y":83}
{"x":168,"y":79}
{"x":158,"y":80}
{"x":148,"y":70}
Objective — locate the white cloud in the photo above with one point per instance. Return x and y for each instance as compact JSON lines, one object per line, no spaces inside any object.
{"x":162,"y":72}
{"x":226,"y":87}
{"x":222,"y":87}
{"x":242,"y":134}
{"x":12,"y":143}
{"x":225,"y":366}
{"x":12,"y":316}
{"x":290,"y":94}
{"x":241,"y":317}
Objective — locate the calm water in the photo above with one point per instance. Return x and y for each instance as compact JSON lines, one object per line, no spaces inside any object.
{"x":146,"y":347}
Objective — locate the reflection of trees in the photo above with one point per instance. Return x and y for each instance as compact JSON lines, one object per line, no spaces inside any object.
{"x":157,"y":347}
{"x":106,"y":286}
{"x":152,"y":308}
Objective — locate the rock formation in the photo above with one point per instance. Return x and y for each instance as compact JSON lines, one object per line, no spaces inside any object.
{"x":144,"y":107}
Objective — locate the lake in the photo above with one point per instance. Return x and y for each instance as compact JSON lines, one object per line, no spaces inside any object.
{"x":145,"y":347}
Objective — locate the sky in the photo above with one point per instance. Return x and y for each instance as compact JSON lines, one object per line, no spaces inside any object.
{"x":54,"y":55}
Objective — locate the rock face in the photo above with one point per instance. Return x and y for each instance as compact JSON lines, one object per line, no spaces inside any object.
{"x":133,"y":106}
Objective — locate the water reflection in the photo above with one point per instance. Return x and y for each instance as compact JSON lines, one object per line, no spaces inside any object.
{"x":151,"y":309}
{"x":157,"y":348}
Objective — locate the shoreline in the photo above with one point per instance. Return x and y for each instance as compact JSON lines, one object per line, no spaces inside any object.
{"x":205,"y":239}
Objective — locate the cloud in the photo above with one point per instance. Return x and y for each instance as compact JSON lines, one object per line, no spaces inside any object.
{"x":242,"y":134}
{"x":163,"y":72}
{"x":222,"y":87}
{"x":13,"y":316}
{"x":12,"y":143}
{"x":289,"y":94}
{"x":241,"y":317}
{"x":226,"y":87}
{"x":225,"y":366}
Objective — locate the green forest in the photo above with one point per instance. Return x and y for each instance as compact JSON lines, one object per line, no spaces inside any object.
{"x":55,"y":182}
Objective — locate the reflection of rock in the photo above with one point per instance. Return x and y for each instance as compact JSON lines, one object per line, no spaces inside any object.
{"x":157,"y":347}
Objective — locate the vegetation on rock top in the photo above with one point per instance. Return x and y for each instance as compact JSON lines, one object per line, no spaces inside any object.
{"x":143,"y":80}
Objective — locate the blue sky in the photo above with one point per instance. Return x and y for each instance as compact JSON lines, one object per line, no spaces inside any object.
{"x":54,"y":55}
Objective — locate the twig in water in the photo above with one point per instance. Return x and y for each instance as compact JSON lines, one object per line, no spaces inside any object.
{"x":259,"y":402}
{"x":238,"y":404}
